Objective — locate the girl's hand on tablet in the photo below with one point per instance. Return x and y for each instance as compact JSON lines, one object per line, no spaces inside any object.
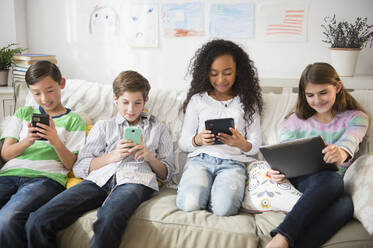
{"x":276,"y":176}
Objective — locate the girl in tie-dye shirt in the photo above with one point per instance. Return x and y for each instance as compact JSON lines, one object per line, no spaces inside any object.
{"x":323,"y":108}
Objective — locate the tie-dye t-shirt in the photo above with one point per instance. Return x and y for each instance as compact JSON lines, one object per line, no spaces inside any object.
{"x":346,"y":130}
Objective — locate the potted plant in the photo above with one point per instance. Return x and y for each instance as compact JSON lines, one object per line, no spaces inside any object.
{"x":346,"y":39}
{"x":6,"y":61}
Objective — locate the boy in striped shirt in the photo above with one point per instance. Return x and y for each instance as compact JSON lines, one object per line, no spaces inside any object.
{"x":118,"y":173}
{"x":36,"y":170}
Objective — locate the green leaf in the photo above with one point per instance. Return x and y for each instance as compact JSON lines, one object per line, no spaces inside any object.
{"x":6,"y":55}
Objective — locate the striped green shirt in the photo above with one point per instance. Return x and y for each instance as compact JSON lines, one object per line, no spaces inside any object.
{"x":40,"y":159}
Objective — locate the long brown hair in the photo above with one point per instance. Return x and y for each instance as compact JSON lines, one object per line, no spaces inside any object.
{"x":323,"y":73}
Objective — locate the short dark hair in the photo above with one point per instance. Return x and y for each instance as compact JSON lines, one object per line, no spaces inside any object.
{"x":41,"y":69}
{"x":130,"y":81}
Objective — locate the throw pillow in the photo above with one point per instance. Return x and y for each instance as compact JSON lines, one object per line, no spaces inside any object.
{"x":358,"y":182}
{"x":262,"y":194}
{"x":71,"y":179}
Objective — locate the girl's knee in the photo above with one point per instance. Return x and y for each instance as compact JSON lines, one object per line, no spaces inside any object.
{"x":193,"y":198}
{"x":332,"y":181}
{"x":227,"y":201}
{"x":346,"y":205}
{"x":224,"y":209}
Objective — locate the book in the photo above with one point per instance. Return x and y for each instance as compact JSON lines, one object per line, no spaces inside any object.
{"x":30,"y":62}
{"x":20,"y":68}
{"x":34,"y":56}
{"x":20,"y":73}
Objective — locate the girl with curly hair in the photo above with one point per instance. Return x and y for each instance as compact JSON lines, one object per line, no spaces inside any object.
{"x":224,"y":85}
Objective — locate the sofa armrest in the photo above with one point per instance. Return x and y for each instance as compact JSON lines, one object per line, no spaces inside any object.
{"x":1,"y":160}
{"x":359,"y":184}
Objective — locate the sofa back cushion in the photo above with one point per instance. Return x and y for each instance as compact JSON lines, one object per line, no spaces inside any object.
{"x":94,"y":101}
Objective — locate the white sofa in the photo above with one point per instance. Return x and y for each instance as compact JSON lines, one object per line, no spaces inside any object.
{"x":157,"y":222}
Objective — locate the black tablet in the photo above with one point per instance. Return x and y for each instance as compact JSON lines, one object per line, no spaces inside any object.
{"x":297,"y":157}
{"x":219,"y":126}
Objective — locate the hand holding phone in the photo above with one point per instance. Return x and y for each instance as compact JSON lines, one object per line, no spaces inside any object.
{"x":219,"y":126}
{"x":42,"y":118}
{"x":133,"y":134}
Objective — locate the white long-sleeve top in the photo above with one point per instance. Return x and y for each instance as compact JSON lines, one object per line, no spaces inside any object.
{"x":202,"y":107}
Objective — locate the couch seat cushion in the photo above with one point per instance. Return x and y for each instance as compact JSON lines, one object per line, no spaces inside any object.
{"x":159,"y":223}
{"x":352,"y":234}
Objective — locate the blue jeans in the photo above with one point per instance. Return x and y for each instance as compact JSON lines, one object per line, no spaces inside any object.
{"x":116,"y":202}
{"x":212,"y":183}
{"x":19,"y":196}
{"x":321,"y":211}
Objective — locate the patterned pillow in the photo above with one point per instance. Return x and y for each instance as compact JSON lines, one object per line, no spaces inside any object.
{"x":359,"y":183}
{"x":263,"y":194}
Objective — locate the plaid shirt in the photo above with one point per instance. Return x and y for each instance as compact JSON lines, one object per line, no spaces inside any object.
{"x":103,"y":139}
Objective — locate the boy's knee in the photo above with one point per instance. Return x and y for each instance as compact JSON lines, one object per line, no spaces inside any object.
{"x":34,"y":223}
{"x":7,"y":221}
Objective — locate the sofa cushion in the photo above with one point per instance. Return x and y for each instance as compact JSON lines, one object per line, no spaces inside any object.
{"x":275,"y":108}
{"x":350,"y":235}
{"x":262,"y":194}
{"x":158,"y":223}
{"x":359,"y":183}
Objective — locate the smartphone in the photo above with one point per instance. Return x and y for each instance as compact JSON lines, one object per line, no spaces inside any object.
{"x":219,"y":126}
{"x":42,"y":118}
{"x":133,"y":134}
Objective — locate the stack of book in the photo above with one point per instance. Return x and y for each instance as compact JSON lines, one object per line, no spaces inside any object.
{"x":23,"y":61}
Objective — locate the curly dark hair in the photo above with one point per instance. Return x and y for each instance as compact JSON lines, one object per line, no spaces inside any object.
{"x":246,"y":85}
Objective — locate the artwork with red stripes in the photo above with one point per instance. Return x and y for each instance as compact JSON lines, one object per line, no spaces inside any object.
{"x":281,"y":22}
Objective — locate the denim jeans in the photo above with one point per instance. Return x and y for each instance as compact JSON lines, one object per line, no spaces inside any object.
{"x":212,"y":183}
{"x":19,"y":196}
{"x":116,"y":202}
{"x":321,"y":211}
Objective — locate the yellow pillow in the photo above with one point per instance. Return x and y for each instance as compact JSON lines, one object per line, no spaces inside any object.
{"x":71,"y":179}
{"x":87,"y":129}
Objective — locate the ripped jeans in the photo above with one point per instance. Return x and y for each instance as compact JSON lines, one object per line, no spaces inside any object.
{"x":212,"y":183}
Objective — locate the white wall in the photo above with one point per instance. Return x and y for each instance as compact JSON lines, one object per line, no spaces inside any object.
{"x":7,"y":23}
{"x":13,"y":23}
{"x":61,"y":27}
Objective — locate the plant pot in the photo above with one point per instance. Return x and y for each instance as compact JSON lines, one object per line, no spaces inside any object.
{"x":4,"y":77}
{"x":344,"y":60}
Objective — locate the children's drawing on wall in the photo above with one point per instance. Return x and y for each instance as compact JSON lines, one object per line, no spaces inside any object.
{"x":181,"y":20}
{"x":283,"y":22}
{"x":104,"y":24}
{"x":142,"y":25}
{"x":232,"y":20}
